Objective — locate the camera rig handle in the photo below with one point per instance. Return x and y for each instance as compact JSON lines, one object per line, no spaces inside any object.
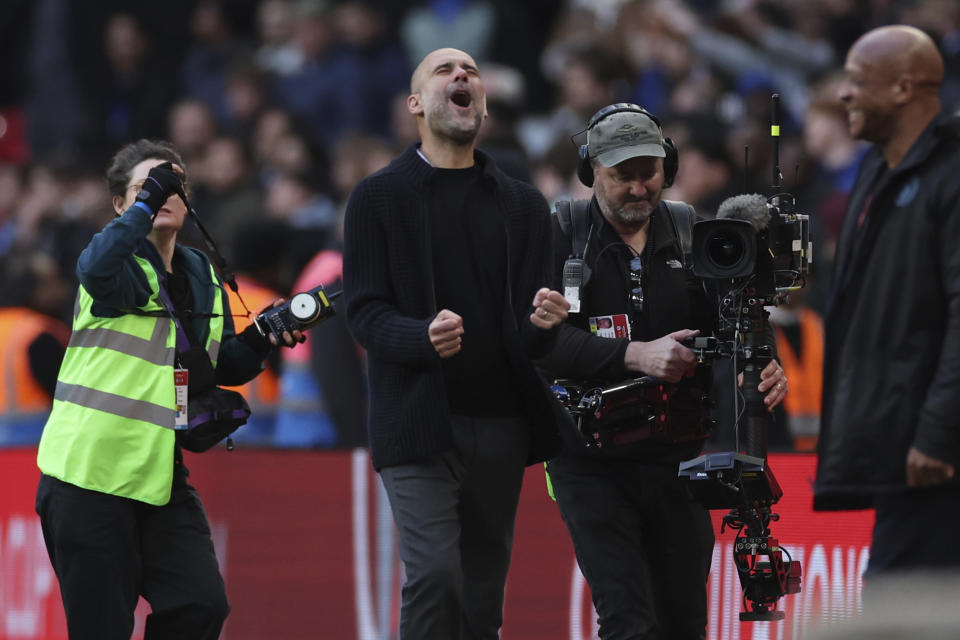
{"x":645,"y":408}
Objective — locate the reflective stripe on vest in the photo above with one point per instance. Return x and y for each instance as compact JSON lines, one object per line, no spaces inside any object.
{"x":153,"y":349}
{"x":111,"y":427}
{"x":215,"y":334}
{"x":115,"y":404}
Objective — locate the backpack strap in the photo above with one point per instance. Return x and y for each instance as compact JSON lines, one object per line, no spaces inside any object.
{"x":563,"y":210}
{"x":574,"y":221}
{"x":682,"y":217}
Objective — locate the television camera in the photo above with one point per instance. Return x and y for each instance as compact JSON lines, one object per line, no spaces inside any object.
{"x":755,"y":252}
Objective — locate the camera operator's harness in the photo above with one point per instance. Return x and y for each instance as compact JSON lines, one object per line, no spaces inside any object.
{"x":637,"y":409}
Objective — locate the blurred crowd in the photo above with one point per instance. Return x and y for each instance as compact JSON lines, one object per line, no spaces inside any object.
{"x":280,"y":107}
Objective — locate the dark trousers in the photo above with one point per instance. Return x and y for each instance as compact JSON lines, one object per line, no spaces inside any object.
{"x":454,"y":514}
{"x":642,"y":543}
{"x":915,"y":532}
{"x":107,"y":551}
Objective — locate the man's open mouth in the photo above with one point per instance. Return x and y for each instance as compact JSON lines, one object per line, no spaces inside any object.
{"x":461,"y":98}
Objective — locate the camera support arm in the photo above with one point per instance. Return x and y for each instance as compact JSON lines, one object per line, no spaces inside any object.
{"x":742,"y":481}
{"x":758,"y":249}
{"x":757,"y":354}
{"x":764,"y":575}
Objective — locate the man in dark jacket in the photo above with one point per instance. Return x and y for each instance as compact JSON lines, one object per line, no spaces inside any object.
{"x":643,"y":544}
{"x":890,"y":436}
{"x":445,"y":265}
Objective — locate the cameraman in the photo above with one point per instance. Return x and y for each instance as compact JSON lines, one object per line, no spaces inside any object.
{"x":890,"y":432}
{"x":642,"y":543}
{"x":118,"y":516}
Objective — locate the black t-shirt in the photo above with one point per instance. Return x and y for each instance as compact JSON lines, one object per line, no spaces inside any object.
{"x":469,"y":244}
{"x":178,"y":288}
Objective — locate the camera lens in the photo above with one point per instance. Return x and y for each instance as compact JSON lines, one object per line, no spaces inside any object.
{"x":725,"y":249}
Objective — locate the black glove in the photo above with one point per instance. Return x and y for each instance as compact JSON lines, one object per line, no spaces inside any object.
{"x":256,"y":340}
{"x":161,"y":183}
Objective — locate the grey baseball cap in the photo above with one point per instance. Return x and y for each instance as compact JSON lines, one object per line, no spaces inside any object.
{"x":624,"y":135}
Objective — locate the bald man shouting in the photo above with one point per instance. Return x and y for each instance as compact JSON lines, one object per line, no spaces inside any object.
{"x":890,"y":434}
{"x":446,"y":261}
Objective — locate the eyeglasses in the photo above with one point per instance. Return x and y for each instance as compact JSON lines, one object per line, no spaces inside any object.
{"x":636,"y":284}
{"x":138,"y":186}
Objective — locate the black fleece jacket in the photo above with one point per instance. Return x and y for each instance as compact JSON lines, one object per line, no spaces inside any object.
{"x":390,"y":302}
{"x":892,"y":355}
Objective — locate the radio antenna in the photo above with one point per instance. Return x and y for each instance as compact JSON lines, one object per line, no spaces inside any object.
{"x":775,"y":134}
{"x":746,"y":168}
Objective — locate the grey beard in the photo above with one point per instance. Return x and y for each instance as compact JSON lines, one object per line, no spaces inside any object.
{"x":443,"y":126}
{"x":630,"y":218}
{"x":461,"y":136}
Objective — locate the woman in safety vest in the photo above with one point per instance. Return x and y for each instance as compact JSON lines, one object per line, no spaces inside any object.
{"x":119,"y":519}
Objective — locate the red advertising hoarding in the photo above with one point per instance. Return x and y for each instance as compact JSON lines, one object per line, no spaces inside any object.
{"x":306,"y":546}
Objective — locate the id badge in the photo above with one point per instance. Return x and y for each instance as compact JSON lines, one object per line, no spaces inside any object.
{"x":615,"y":326}
{"x":572,"y":294}
{"x":181,"y":379}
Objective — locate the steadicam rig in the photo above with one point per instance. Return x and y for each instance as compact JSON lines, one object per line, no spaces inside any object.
{"x":755,"y":253}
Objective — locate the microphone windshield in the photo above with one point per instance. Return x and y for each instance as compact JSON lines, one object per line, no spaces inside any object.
{"x":751,"y":207}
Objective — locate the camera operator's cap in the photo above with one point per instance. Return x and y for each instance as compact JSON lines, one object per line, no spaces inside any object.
{"x":623,"y":135}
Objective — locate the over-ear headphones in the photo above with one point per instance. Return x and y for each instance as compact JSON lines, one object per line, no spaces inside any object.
{"x":670,"y":161}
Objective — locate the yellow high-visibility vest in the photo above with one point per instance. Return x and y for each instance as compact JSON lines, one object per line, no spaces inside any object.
{"x":111,"y":426}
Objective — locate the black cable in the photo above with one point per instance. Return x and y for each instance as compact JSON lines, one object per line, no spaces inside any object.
{"x":218,"y":260}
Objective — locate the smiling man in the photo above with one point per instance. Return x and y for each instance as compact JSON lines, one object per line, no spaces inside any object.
{"x":890,"y":430}
{"x":445,"y":273}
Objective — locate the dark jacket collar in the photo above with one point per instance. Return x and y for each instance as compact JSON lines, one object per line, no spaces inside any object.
{"x":183,"y":258}
{"x":419,"y":172}
{"x":943,"y":127}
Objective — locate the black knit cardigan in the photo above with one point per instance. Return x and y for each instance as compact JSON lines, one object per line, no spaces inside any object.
{"x":390,"y":302}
